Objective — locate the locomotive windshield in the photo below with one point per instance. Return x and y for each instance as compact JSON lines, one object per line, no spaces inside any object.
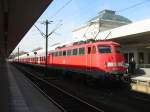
{"x":104,"y":49}
{"x":118,"y":49}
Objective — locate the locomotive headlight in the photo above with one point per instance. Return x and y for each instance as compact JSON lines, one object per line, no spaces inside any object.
{"x":109,"y":64}
{"x":120,"y":64}
{"x":114,"y":64}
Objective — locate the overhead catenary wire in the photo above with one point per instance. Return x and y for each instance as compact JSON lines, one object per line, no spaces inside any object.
{"x":132,"y":6}
{"x":40,"y":31}
{"x":59,"y":10}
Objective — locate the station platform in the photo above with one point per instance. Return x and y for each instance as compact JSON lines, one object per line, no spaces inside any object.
{"x":143,"y":78}
{"x":19,"y":95}
{"x":141,"y":83}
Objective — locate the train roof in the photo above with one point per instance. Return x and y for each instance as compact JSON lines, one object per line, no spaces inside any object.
{"x":42,"y":51}
{"x":65,"y":46}
{"x":78,"y":44}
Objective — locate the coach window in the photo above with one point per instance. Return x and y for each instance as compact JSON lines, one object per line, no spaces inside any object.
{"x":68,"y":52}
{"x":60,"y":53}
{"x":89,"y":50}
{"x":81,"y":51}
{"x":104,"y":49}
{"x":64,"y":53}
{"x":53,"y":54}
{"x":75,"y":51}
{"x":56,"y":53}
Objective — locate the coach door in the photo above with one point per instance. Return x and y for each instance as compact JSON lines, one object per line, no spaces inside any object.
{"x":89,"y":57}
{"x":50,"y":58}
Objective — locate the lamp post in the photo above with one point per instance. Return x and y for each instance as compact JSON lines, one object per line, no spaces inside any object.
{"x":46,"y":35}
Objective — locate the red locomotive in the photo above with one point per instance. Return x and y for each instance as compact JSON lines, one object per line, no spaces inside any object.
{"x":99,"y":59}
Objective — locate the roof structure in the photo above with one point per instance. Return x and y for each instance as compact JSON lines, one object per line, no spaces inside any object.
{"x":108,"y":20}
{"x":16,"y":18}
{"x":111,"y":16}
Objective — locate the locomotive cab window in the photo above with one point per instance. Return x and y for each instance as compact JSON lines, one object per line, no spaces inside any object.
{"x":104,"y":49}
{"x":118,"y":49}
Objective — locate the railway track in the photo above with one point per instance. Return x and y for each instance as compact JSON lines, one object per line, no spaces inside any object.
{"x":61,"y":98}
{"x":109,"y":100}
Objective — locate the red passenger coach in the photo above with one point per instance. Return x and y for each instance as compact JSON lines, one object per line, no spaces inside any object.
{"x":99,"y":59}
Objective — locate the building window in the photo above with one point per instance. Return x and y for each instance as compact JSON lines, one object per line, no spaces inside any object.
{"x":141,"y":58}
{"x":128,"y":56}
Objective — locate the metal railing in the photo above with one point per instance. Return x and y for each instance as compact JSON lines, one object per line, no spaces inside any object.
{"x":143,"y":66}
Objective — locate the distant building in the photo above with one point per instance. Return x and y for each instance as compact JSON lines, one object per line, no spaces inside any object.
{"x":106,"y":19}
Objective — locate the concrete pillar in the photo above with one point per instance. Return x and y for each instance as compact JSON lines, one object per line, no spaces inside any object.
{"x":136,"y":56}
{"x":4,"y":83}
{"x":146,"y":57}
{"x":3,"y":38}
{"x":1,"y":33}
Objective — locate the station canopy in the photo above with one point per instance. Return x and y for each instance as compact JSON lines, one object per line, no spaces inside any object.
{"x":136,"y":34}
{"x":16,"y":18}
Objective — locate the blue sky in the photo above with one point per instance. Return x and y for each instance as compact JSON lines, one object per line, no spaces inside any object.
{"x":77,"y":12}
